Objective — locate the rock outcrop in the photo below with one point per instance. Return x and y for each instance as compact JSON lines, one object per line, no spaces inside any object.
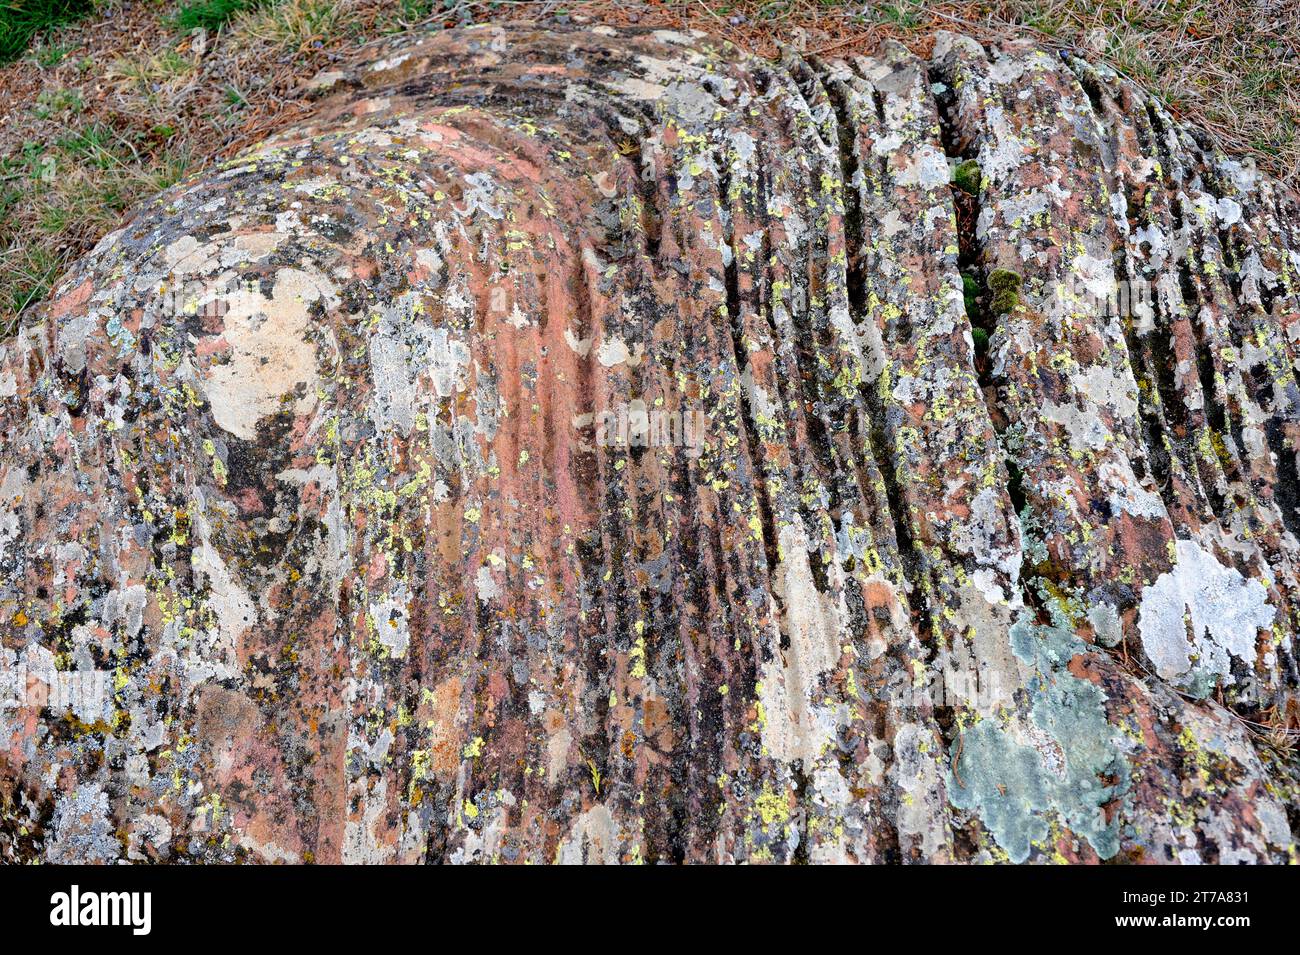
{"x":608,"y":446}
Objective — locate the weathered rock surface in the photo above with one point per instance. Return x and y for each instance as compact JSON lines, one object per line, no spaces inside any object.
{"x":579,"y":446}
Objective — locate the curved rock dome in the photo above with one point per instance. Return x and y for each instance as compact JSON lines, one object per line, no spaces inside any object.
{"x":605,"y":445}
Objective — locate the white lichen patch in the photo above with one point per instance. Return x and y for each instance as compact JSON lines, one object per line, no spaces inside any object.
{"x":1197,"y":616}
{"x":580,"y":346}
{"x":485,"y":584}
{"x":388,"y":616}
{"x":363,"y":840}
{"x":270,"y":355}
{"x":921,"y":810}
{"x":412,"y":361}
{"x":1126,"y":494}
{"x":1084,"y":427}
{"x":615,"y":351}
{"x":928,"y":169}
{"x":1105,"y":387}
{"x":593,"y":839}
{"x":188,"y":256}
{"x":231,"y":607}
{"x":794,"y":727}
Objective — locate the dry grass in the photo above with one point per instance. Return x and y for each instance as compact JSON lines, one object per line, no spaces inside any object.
{"x":296,"y":24}
{"x":103,"y":112}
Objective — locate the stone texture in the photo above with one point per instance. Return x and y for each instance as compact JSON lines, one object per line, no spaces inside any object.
{"x":608,"y":446}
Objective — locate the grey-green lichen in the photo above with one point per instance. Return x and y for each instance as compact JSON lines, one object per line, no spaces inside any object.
{"x":1065,"y":763}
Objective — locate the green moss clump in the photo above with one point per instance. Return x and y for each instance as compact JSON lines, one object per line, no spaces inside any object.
{"x":981,"y":339}
{"x":1004,"y":279}
{"x":1006,"y":290}
{"x":970,"y":293}
{"x":966,"y":177}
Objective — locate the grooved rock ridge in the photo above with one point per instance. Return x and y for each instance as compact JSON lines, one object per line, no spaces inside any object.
{"x":601,"y":445}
